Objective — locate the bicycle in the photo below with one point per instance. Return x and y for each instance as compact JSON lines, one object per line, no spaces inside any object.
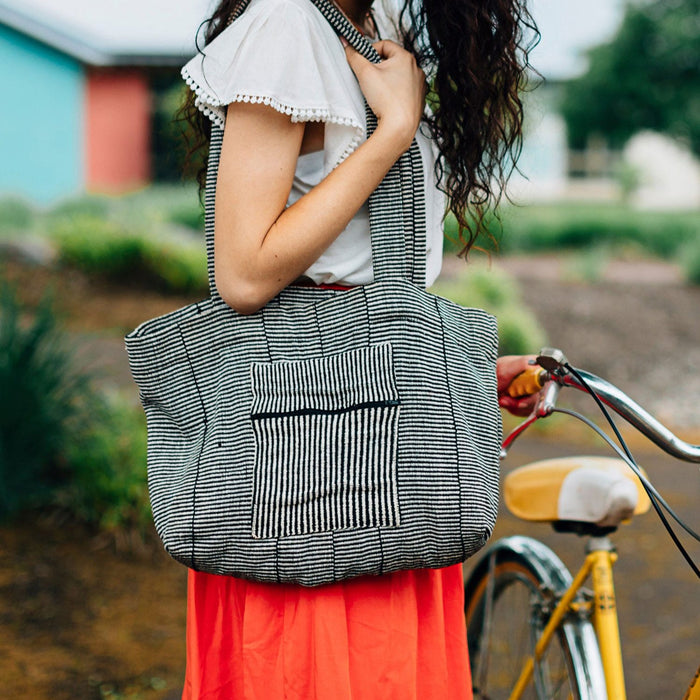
{"x":534,"y":630}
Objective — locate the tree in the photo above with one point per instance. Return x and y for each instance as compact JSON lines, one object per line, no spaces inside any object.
{"x":646,"y":77}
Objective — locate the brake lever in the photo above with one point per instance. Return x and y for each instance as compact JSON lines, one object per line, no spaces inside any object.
{"x":552,"y":360}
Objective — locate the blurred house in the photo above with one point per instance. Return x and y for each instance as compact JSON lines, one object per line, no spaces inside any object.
{"x":81,"y":78}
{"x":667,"y":173}
{"x":78,"y":91}
{"x":548,"y":169}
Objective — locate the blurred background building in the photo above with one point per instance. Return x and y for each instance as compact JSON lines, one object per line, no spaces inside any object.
{"x":617,"y":115}
{"x":83,"y":87}
{"x":91,"y":89}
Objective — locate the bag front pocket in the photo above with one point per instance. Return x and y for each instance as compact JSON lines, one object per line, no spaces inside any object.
{"x":326,"y":443}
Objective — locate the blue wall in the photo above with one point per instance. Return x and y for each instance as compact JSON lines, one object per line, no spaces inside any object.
{"x":41,"y":120}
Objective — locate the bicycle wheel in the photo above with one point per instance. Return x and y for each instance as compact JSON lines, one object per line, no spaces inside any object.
{"x":508,"y":599}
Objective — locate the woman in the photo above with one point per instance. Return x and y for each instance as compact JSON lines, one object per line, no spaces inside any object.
{"x":295,"y":174}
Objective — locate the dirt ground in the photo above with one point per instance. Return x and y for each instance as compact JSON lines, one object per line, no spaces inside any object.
{"x":79,"y":620}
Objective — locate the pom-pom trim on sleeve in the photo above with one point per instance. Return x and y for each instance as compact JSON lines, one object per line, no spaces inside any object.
{"x":205,"y":101}
{"x":215,"y":109}
{"x":306,"y":75}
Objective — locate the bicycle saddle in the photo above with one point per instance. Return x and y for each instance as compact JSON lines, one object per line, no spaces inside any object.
{"x":598,"y":491}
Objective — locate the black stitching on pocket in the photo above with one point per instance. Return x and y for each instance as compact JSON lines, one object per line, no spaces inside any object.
{"x":327,"y":411}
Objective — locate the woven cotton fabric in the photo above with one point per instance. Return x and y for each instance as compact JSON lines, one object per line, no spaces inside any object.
{"x":333,"y":433}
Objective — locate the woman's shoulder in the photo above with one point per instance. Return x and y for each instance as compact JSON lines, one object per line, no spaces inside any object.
{"x":284,"y":54}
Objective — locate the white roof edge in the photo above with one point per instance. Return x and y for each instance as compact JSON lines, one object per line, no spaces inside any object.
{"x":83,"y":51}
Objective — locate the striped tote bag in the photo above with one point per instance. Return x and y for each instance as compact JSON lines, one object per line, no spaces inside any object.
{"x":333,"y":433}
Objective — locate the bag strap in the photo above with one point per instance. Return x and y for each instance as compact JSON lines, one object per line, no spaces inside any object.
{"x":396,"y":208}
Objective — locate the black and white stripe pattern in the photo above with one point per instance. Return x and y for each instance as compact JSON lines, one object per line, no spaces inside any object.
{"x":325,"y":472}
{"x":252,"y":419}
{"x":333,"y":383}
{"x":325,"y":435}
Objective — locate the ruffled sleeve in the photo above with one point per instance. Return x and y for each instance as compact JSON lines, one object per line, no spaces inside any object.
{"x":282,"y":53}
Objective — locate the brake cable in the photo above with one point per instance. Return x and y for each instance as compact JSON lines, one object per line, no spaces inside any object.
{"x":654,"y":497}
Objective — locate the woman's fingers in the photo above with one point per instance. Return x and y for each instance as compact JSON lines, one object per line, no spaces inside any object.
{"x":357,"y":61}
{"x":508,"y":367}
{"x":519,"y":407}
{"x":393,"y":88}
{"x":386,"y":48}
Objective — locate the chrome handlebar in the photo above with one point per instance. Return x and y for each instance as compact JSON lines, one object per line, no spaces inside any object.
{"x":554,"y":362}
{"x":635,"y":415}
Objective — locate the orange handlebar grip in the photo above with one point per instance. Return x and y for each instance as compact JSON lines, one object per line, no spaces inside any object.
{"x":527,"y":383}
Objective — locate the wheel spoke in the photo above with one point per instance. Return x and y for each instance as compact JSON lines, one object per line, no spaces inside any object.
{"x":505,"y":622}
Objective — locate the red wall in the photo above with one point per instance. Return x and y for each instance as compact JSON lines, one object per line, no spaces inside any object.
{"x":117,"y":129}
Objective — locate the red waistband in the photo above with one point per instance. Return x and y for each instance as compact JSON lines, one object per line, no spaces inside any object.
{"x":339,"y":287}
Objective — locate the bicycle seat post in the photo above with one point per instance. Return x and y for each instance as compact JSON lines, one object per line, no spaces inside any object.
{"x":601,"y":552}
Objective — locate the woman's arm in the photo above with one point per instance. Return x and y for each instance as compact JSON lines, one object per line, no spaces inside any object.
{"x":260,"y":247}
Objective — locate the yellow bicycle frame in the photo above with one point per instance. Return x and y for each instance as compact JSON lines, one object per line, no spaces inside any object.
{"x":598,"y":565}
{"x":694,"y":689}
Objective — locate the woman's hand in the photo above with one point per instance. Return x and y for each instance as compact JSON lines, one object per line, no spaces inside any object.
{"x":508,"y":368}
{"x":394,"y":89}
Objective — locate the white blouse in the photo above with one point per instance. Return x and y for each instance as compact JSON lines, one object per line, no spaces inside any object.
{"x":285,"y":54}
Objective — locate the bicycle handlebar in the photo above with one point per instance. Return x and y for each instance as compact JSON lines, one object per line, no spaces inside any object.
{"x":635,"y":415}
{"x":554,"y":362}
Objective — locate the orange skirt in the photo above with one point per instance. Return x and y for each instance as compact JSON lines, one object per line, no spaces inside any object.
{"x":400,"y":636}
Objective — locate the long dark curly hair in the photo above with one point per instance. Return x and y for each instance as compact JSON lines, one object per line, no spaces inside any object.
{"x":480,"y":50}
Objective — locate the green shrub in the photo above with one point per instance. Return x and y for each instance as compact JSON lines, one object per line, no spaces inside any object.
{"x":43,"y":394}
{"x":666,"y":234}
{"x":190,"y":215}
{"x":179,"y":266}
{"x":16,"y":215}
{"x":690,"y":260}
{"x":496,"y":292}
{"x":86,"y":206}
{"x":567,"y":226}
{"x":519,"y":331}
{"x":102,"y":248}
{"x":578,"y":226}
{"x":152,"y":208}
{"x":488,"y":288}
{"x":62,"y":443}
{"x":99,"y":247}
{"x":106,"y":463}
